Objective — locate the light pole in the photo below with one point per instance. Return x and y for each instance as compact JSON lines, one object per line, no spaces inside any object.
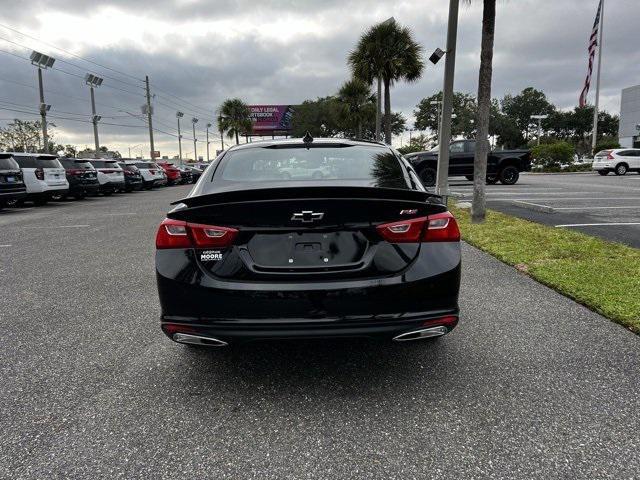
{"x":135,"y":146}
{"x":442,"y":177}
{"x":438,"y":113}
{"x":221,"y":131}
{"x":179,"y":115}
{"x":195,"y":152}
{"x":208,"y":127}
{"x":539,"y":118}
{"x":94,"y":81}
{"x":42,"y":62}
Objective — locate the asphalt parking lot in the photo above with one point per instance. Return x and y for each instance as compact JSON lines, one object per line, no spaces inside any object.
{"x":529,"y":385}
{"x":608,"y":207}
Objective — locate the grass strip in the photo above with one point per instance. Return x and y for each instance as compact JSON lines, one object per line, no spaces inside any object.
{"x":604,"y":276}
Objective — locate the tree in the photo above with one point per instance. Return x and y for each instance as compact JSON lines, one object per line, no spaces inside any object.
{"x":478,"y":205}
{"x":356,"y":96}
{"x":21,"y":136}
{"x":387,"y":51}
{"x":520,"y":108}
{"x":464,"y":107}
{"x":234,"y":118}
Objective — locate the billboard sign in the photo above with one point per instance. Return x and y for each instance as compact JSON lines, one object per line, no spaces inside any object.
{"x":271,"y":119}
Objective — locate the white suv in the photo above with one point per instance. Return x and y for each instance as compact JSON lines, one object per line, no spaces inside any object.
{"x":619,"y":160}
{"x":110,"y":175}
{"x":151,"y":173}
{"x":44,"y":176}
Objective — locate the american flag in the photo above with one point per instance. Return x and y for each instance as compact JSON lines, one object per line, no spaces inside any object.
{"x":593,"y":43}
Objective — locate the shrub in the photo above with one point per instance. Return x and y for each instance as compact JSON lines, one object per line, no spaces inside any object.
{"x":552,"y":155}
{"x":606,"y":145}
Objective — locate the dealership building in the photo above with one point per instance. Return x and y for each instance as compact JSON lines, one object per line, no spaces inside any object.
{"x":629,"y":132}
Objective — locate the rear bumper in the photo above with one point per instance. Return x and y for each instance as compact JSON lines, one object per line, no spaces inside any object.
{"x":111,"y":186}
{"x":602,"y":166}
{"x":197,"y":302}
{"x":13,"y":194}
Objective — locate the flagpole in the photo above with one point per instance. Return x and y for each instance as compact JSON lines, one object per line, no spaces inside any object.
{"x":595,"y":108}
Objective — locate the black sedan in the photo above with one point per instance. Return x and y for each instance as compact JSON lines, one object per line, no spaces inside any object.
{"x":253,"y":254}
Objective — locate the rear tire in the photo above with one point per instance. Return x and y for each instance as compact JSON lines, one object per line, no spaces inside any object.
{"x":428,"y":176}
{"x":621,"y":169}
{"x":603,"y":172}
{"x":509,"y":175}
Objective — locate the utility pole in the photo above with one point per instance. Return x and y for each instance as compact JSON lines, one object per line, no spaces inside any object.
{"x":42,"y":61}
{"x":594,"y":140}
{"x":149,"y":113}
{"x":94,"y":81}
{"x":208,"y":127}
{"x":221,"y":131}
{"x":195,"y":152}
{"x":444,"y":136}
{"x":179,"y":115}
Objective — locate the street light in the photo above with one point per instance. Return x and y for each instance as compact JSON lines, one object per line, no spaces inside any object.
{"x":439,"y":113}
{"x":94,"y":81}
{"x":539,"y":118}
{"x":42,"y":62}
{"x":179,"y":115}
{"x":208,"y":127}
{"x":135,"y":146}
{"x":195,"y":152}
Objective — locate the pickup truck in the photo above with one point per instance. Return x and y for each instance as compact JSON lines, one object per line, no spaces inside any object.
{"x":502,"y":165}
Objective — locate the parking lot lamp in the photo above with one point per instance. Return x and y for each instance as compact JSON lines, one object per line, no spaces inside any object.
{"x":179,"y":115}
{"x":539,"y":118}
{"x":42,"y":62}
{"x":94,"y":81}
{"x":208,"y":127}
{"x":195,"y":152}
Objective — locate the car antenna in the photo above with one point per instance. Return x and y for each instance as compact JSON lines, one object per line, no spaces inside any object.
{"x":307,"y":139}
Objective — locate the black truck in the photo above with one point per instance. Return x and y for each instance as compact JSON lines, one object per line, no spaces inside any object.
{"x":502,"y":165}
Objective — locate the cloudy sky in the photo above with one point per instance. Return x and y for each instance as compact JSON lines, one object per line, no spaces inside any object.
{"x":199,"y":52}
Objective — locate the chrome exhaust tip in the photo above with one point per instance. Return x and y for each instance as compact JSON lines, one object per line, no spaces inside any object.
{"x":422,"y":333}
{"x":198,"y":340}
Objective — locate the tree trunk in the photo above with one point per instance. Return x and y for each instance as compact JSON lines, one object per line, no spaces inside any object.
{"x":387,"y":112}
{"x":237,"y":139}
{"x":478,"y":207}
{"x":379,"y":109}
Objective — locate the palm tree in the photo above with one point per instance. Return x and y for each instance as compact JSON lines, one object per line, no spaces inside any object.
{"x":234,"y":118}
{"x":478,"y":206}
{"x":356,"y":95}
{"x":387,"y":52}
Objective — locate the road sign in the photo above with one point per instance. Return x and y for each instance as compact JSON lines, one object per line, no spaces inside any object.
{"x":155,"y":154}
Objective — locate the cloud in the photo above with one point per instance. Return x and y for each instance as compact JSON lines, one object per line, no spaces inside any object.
{"x":283,"y":52}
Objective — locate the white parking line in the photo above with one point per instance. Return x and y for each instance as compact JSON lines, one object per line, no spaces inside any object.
{"x":596,"y":224}
{"x":595,"y":208}
{"x":4,"y":246}
{"x":522,"y":199}
{"x":58,"y":226}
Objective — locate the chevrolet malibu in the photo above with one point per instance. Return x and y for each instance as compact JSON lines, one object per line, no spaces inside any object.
{"x":363,"y":251}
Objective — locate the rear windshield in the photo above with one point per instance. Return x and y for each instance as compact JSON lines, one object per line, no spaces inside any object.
{"x":105,"y":164}
{"x":376,"y":166}
{"x":146,"y":165}
{"x":603,"y":153}
{"x":35,"y":162}
{"x":77,"y":164}
{"x":124,"y":166}
{"x":8,"y":164}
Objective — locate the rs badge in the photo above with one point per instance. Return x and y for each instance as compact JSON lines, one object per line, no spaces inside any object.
{"x":210,"y":255}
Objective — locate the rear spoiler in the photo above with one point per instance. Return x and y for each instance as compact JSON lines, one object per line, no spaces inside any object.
{"x":286,"y":193}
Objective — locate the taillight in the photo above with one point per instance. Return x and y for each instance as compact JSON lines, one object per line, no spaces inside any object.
{"x":610,"y":156}
{"x":181,"y":234}
{"x":441,"y":227}
{"x":128,"y":172}
{"x":75,"y":172}
{"x":39,"y":174}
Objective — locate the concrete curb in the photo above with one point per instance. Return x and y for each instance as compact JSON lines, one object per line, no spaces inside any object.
{"x":536,"y":207}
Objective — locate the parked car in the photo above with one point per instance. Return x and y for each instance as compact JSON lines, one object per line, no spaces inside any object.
{"x":152,"y":174}
{"x":82,"y":177}
{"x":44,"y":176}
{"x":110,"y":176}
{"x":171,"y":171}
{"x":195,"y":173}
{"x":185,"y":175}
{"x":367,"y":252}
{"x":617,"y":160}
{"x":502,"y":165}
{"x":132,"y":177}
{"x":12,"y":187}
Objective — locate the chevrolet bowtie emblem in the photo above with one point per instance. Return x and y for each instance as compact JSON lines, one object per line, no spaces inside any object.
{"x":307,"y":216}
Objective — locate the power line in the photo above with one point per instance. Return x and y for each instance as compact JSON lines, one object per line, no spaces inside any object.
{"x":69,"y":53}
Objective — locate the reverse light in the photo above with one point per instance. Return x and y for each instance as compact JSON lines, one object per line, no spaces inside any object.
{"x":181,"y":234}
{"x":441,"y":227}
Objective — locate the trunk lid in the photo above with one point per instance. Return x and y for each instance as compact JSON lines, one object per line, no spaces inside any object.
{"x":309,"y":230}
